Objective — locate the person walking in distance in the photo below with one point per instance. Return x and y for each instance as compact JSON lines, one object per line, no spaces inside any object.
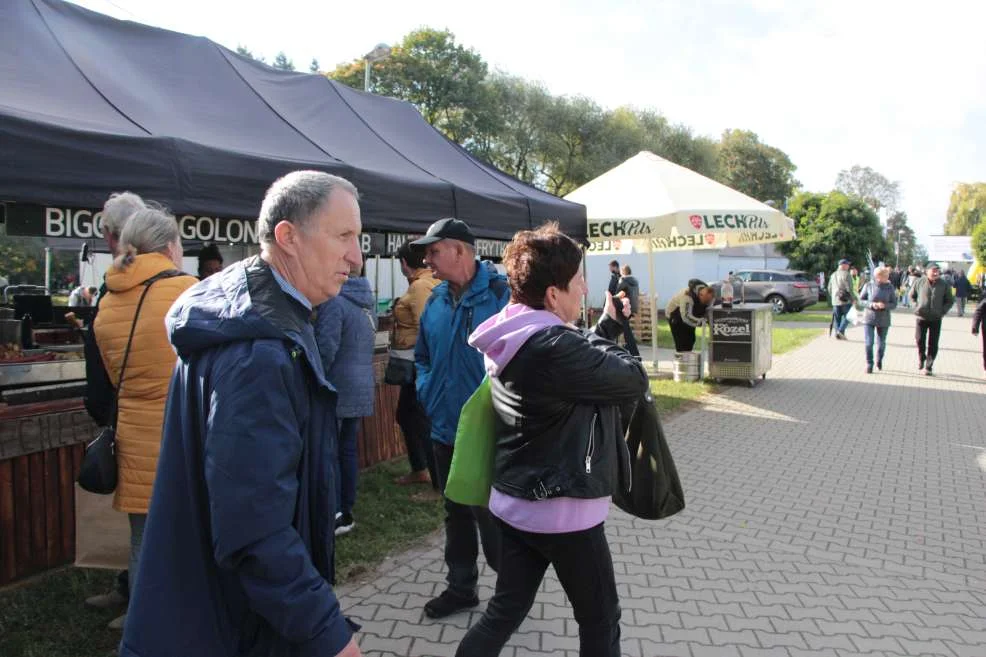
{"x":879,"y":297}
{"x":629,"y":289}
{"x":932,"y":298}
{"x":841,"y":293}
{"x":979,"y":324}
{"x":614,"y":277}
{"x":963,"y":288}
{"x":448,"y":373}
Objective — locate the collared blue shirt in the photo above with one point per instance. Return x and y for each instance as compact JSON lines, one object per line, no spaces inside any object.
{"x":290,"y":290}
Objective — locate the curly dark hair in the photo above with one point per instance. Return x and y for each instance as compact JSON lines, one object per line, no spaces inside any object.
{"x":537,"y":259}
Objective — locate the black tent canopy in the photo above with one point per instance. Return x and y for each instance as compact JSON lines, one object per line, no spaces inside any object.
{"x":90,"y":105}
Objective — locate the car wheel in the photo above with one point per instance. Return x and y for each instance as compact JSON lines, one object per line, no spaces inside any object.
{"x":777,"y":301}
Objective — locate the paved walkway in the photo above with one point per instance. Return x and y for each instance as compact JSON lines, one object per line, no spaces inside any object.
{"x":830,"y":513}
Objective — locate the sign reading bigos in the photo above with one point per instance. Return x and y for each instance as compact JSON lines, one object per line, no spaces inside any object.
{"x":48,"y":221}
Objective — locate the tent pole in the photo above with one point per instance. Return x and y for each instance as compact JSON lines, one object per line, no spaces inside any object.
{"x":48,"y":270}
{"x":585,"y":297}
{"x":653,"y":301}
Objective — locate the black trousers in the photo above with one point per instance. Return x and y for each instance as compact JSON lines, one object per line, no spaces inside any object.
{"x":585,"y":569}
{"x":926,"y":334}
{"x":984,"y":348}
{"x":416,"y":427}
{"x":628,"y":337}
{"x":683,"y":334}
{"x":461,"y":523}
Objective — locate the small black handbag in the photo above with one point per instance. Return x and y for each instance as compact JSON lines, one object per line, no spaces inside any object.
{"x":399,"y":370}
{"x":98,"y":473}
{"x":654,"y":488}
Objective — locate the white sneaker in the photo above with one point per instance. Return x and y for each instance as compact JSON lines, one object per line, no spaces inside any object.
{"x":107,"y":600}
{"x":117,"y":623}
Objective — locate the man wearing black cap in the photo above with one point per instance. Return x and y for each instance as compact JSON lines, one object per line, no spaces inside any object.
{"x":841,"y":293}
{"x":448,"y":373}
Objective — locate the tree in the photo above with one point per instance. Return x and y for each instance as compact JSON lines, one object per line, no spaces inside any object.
{"x":243,"y":50}
{"x":22,"y":261}
{"x":899,"y":234}
{"x":754,"y":168}
{"x":979,"y":242}
{"x":966,"y":208}
{"x":313,"y":67}
{"x":443,"y":79}
{"x":872,"y":187}
{"x":830,"y":227}
{"x":282,"y":62}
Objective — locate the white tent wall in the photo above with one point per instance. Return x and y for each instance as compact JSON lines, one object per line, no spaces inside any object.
{"x":672,"y":269}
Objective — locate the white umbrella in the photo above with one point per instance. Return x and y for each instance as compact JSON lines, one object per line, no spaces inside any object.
{"x":650,"y":203}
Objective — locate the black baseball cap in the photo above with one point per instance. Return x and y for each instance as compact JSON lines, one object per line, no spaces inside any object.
{"x":447,"y":229}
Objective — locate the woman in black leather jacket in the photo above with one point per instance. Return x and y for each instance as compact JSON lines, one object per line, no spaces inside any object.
{"x":560,"y":456}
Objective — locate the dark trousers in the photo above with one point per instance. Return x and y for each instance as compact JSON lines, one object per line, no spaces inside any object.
{"x":461,"y":544}
{"x":984,"y":348}
{"x":926,"y":334}
{"x":840,"y":317}
{"x":585,"y":569}
{"x":684,"y":336}
{"x":348,"y":463}
{"x":416,"y":427}
{"x":628,"y":337}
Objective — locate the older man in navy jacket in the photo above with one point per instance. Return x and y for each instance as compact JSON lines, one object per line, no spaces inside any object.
{"x":238,"y":549}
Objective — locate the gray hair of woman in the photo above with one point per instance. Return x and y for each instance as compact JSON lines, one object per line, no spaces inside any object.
{"x":118,"y":208}
{"x":149,"y":230}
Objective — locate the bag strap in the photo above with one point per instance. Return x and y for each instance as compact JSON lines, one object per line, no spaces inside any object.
{"x":169,"y":273}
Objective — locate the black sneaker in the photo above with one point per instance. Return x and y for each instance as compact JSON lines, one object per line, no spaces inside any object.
{"x":921,"y":365}
{"x":449,"y":603}
{"x":869,"y":369}
{"x":344,"y":523}
{"x":879,"y":365}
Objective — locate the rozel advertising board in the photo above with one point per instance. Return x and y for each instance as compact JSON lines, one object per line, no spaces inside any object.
{"x":732,"y":337}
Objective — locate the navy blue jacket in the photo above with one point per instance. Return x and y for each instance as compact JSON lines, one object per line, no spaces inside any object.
{"x":238,"y":549}
{"x":448,"y":369}
{"x":345,"y":331}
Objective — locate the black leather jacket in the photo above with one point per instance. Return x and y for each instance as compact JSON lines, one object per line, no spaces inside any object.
{"x":558,"y":414}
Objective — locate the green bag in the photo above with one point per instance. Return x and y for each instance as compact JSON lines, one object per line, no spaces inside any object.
{"x":471,"y":474}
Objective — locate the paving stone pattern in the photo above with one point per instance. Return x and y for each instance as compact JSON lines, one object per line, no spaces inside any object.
{"x":830,"y":513}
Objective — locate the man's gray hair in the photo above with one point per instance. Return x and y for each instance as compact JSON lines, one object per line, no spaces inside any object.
{"x":150,"y":230}
{"x":295,"y":198}
{"x":118,"y":208}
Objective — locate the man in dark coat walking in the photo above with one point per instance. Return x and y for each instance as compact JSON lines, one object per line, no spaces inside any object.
{"x":237,"y":556}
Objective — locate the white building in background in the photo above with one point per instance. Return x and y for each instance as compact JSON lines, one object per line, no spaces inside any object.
{"x":673,"y":269}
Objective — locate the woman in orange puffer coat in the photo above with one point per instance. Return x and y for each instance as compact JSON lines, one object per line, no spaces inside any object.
{"x":150,"y":245}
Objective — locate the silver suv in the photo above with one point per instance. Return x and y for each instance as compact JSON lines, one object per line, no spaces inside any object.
{"x":787,"y":290}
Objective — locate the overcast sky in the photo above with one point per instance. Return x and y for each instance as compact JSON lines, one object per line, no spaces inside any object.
{"x":900,"y":87}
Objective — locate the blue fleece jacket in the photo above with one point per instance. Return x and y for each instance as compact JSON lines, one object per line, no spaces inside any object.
{"x":448,"y":369}
{"x":237,"y":555}
{"x":345,"y":330}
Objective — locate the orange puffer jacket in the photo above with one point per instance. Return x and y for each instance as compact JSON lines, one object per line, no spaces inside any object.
{"x":149,"y":367}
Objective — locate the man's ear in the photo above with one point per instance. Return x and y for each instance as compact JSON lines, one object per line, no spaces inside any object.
{"x":286,"y":236}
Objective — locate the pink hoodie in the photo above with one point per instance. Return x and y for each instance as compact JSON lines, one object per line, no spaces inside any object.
{"x":499,"y":339}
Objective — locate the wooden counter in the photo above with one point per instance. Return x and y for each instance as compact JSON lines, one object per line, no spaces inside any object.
{"x":41,"y":447}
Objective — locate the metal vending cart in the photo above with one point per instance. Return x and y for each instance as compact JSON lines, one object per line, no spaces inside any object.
{"x":741,"y":340}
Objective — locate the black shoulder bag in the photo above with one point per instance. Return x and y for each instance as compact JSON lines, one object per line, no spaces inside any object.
{"x":654,"y":491}
{"x":98,"y":473}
